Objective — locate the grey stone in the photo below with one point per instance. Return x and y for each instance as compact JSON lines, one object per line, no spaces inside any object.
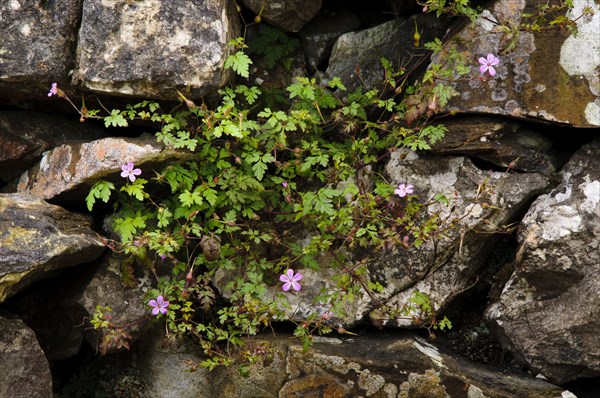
{"x":549,"y":310}
{"x":37,"y":239}
{"x":25,"y":136}
{"x":289,"y":15}
{"x":57,"y":321}
{"x":36,"y":47}
{"x":551,"y":75}
{"x":482,"y":204}
{"x":318,"y":37}
{"x":165,"y":367}
{"x":25,"y":371}
{"x":386,"y":365}
{"x":397,"y":364}
{"x":392,"y":40}
{"x":152,"y":48}
{"x":69,"y":170}
{"x":502,"y":142}
{"x":106,"y":287}
{"x":60,"y":309}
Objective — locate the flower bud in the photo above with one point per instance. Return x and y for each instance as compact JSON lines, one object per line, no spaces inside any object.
{"x":211,"y":247}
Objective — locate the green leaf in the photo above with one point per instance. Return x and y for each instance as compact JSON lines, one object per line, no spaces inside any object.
{"x":126,"y":227}
{"x":210,"y":195}
{"x":444,"y":93}
{"x":259,"y":169}
{"x":115,"y":119}
{"x":440,"y":197}
{"x":336,"y":82}
{"x":100,"y":190}
{"x":433,"y":133}
{"x":135,"y":189}
{"x":184,"y":141}
{"x":188,"y":198}
{"x":435,"y":45}
{"x":240,"y":63}
{"x":251,"y":93}
{"x":164,"y":216}
{"x":180,"y":177}
{"x":303,"y":88}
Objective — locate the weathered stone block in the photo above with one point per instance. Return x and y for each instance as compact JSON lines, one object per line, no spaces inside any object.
{"x":37,"y":41}
{"x":37,"y":238}
{"x":549,"y":311}
{"x":25,"y":371}
{"x":152,"y":48}
{"x":551,"y":75}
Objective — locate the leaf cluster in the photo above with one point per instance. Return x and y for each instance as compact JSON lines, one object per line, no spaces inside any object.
{"x":258,"y":176}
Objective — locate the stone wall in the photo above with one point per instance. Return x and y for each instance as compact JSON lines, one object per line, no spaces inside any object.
{"x":530,"y":132}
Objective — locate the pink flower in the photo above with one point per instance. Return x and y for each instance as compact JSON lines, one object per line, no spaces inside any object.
{"x":290,"y":279}
{"x":53,"y":90}
{"x":158,"y":305}
{"x":487,"y":64}
{"x":284,"y":184}
{"x":326,"y":315}
{"x":129,"y":171}
{"x":403,"y":190}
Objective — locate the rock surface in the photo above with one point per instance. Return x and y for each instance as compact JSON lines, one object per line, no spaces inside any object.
{"x":37,"y":238}
{"x":25,"y":136}
{"x":318,"y":37}
{"x":289,"y":15}
{"x":549,"y":310}
{"x":58,"y":323}
{"x":59,"y":310}
{"x":69,"y":170}
{"x":392,"y":40}
{"x":29,"y":69}
{"x":386,"y":366}
{"x":105,"y":287}
{"x":482,"y":204}
{"x":25,"y":371}
{"x":501,"y":142}
{"x":153,"y":48}
{"x":551,"y":75}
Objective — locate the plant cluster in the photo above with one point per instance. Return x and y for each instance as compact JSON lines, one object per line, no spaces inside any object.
{"x":268,"y":175}
{"x":261,"y":176}
{"x":262,"y":180}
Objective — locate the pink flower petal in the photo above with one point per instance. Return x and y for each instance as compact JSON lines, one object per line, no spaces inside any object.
{"x":296,"y":286}
{"x":155,"y":311}
{"x":297,"y":277}
{"x":286,"y":286}
{"x":492,"y":71}
{"x":482,"y":61}
{"x":152,"y":303}
{"x":492,"y":60}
